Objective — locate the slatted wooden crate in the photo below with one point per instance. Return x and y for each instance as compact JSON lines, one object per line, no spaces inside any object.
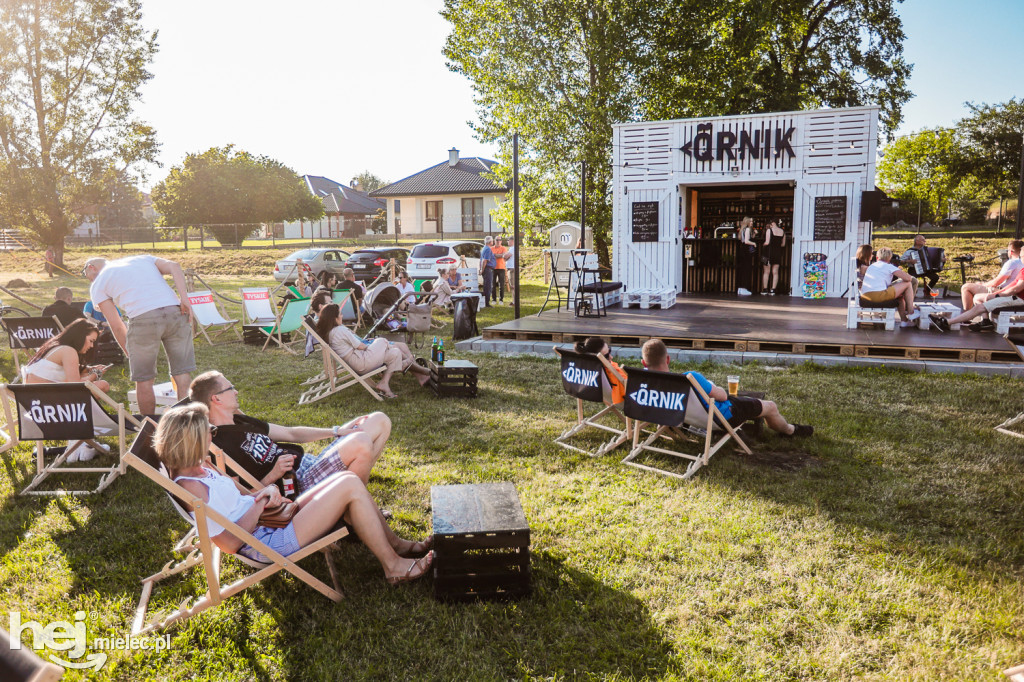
{"x":455,"y":378}
{"x":481,"y":542}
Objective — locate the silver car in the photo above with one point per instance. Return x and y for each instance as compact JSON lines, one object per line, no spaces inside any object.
{"x":332,"y":260}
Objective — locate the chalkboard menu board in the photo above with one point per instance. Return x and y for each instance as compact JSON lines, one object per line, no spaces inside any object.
{"x":645,"y":221}
{"x":830,"y":218}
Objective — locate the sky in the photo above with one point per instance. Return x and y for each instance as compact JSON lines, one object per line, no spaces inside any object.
{"x":337,"y":87}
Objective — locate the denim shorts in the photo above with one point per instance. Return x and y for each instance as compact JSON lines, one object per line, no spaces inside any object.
{"x":281,"y":540}
{"x":146,"y":333}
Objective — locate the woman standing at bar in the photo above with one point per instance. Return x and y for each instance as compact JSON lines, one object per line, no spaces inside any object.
{"x":771,"y":257}
{"x":745,"y":251}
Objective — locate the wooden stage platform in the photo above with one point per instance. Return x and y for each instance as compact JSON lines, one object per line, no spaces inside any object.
{"x":776,"y":324}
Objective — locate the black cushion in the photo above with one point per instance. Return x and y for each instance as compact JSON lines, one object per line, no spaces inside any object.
{"x":600,"y":287}
{"x":864,"y":303}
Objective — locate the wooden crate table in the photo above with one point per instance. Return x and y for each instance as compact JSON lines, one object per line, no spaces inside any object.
{"x":946,"y":310}
{"x":481,"y":542}
{"x":456,"y":378}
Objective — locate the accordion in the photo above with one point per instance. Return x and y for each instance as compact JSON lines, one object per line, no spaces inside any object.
{"x":925,"y":259}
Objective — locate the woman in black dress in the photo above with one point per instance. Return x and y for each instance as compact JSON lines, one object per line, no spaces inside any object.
{"x":771,"y":257}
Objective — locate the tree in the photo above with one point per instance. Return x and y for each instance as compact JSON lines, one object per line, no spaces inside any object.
{"x":368,"y":182}
{"x":562,"y":72}
{"x":70,"y":73}
{"x":992,"y":138}
{"x":747,"y":56}
{"x":120,"y":202}
{"x":227,"y":190}
{"x":921,"y":167}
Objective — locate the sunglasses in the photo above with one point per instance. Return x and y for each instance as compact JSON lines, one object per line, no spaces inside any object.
{"x":213,"y":430}
{"x":225,"y":390}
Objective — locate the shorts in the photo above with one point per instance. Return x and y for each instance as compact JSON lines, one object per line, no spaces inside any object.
{"x":313,"y":470}
{"x":281,"y":540}
{"x":993,"y":304}
{"x":147,"y":332}
{"x":744,"y":409}
{"x":885,"y":296}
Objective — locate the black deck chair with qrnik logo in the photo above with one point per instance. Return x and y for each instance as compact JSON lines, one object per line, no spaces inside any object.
{"x":72,"y":412}
{"x":682,"y":411}
{"x":585,"y":378}
{"x":29,"y":334}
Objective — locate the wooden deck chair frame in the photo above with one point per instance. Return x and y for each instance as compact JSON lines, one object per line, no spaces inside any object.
{"x":1016,"y":673}
{"x":16,"y":348}
{"x":276,"y":331}
{"x":583,"y":422}
{"x":710,"y":420}
{"x":207,"y":554}
{"x":44,"y":471}
{"x":1012,"y":421}
{"x":220,"y":327}
{"x":345,"y":299}
{"x":337,"y":374}
{"x":8,"y":427}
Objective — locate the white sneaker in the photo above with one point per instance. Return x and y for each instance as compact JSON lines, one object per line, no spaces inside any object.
{"x":74,"y":456}
{"x":914,"y":315}
{"x":907,"y":325}
{"x":743,"y":292}
{"x":84,"y":452}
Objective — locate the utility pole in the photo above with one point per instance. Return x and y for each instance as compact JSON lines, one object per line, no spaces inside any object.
{"x":583,"y":206}
{"x":1020,"y":194}
{"x":515,"y":223}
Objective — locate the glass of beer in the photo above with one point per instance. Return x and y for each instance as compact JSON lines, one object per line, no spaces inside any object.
{"x":734,"y":384}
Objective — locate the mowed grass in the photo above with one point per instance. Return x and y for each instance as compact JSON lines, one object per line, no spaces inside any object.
{"x":887,"y":546}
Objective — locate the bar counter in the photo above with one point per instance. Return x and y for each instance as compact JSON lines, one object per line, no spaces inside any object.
{"x":709,"y":266}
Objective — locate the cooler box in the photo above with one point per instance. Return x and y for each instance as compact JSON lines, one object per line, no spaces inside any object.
{"x":166,"y":397}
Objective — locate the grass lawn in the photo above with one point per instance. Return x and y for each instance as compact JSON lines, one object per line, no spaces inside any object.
{"x":890,"y":545}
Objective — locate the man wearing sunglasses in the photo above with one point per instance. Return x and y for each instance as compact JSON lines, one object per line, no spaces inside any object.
{"x":269,"y":451}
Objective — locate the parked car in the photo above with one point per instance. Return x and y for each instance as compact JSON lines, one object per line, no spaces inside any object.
{"x":428,"y":257}
{"x":332,"y":260}
{"x":367,"y":263}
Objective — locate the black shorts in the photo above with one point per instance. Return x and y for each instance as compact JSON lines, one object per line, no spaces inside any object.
{"x":744,"y":409}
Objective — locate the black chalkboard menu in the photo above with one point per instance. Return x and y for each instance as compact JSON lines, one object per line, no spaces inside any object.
{"x":645,"y":221}
{"x":830,"y":218}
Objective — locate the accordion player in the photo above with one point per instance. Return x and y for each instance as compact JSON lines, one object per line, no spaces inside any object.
{"x":925,"y":262}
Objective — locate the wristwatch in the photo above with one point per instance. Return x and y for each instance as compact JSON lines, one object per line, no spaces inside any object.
{"x":335,"y":429}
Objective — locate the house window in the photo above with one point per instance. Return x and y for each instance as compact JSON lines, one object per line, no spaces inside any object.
{"x":435,"y":212}
{"x":473,"y":215}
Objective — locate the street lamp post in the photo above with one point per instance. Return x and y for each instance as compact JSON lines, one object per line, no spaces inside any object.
{"x":1020,"y":193}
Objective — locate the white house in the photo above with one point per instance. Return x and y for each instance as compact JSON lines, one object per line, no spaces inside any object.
{"x":453,"y":196}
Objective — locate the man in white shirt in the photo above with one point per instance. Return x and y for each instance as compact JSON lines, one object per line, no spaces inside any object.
{"x":510,"y":265}
{"x":156,"y":316}
{"x":983,"y":290}
{"x":879,"y":288}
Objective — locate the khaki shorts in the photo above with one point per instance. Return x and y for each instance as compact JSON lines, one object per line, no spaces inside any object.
{"x":993,"y":304}
{"x":148,"y":331}
{"x":880,"y":296}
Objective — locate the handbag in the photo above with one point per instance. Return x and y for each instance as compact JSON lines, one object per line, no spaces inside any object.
{"x":279,"y":516}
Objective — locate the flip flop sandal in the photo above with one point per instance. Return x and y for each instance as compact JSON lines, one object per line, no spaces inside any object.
{"x":409,"y":577}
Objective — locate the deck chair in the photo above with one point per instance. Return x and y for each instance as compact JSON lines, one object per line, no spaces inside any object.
{"x":259,"y":311}
{"x":351,"y":315}
{"x":74,"y":412}
{"x":1016,"y":673}
{"x":209,"y":316}
{"x":202,"y":550}
{"x":337,"y":374}
{"x":8,"y":435}
{"x":585,"y":378}
{"x":29,"y":334}
{"x":23,"y":665}
{"x":289,"y":322}
{"x":676,"y":404}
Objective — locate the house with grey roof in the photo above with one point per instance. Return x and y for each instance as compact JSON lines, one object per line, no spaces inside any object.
{"x":348,"y":212}
{"x":453,"y":196}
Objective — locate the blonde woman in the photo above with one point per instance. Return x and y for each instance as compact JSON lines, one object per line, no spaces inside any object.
{"x":182,"y":441}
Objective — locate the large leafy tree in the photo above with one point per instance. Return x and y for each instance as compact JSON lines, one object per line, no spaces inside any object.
{"x":922,"y":167}
{"x":120,"y":202}
{"x":562,"y":72}
{"x":232,"y":193}
{"x":70,"y":73}
{"x":991,"y":136}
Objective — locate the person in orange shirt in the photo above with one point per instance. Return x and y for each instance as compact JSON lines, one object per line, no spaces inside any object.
{"x":616,"y":377}
{"x":500,"y":271}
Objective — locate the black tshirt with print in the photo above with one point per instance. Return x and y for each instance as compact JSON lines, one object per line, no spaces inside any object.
{"x":247,"y":442}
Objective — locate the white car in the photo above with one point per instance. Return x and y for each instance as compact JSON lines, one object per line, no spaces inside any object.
{"x":318,"y":260}
{"x":427,"y":258}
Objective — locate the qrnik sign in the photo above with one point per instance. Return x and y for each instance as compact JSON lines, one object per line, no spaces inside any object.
{"x":730,"y":145}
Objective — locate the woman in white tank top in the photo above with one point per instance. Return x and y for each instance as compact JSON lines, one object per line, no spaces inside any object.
{"x":182,"y":442}
{"x":62,"y":358}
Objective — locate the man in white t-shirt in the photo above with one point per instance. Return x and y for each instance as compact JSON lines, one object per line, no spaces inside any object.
{"x":510,"y":265}
{"x":156,"y":316}
{"x":976,"y":292}
{"x":879,"y":287}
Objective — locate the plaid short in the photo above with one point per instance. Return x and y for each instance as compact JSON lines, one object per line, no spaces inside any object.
{"x":313,"y":470}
